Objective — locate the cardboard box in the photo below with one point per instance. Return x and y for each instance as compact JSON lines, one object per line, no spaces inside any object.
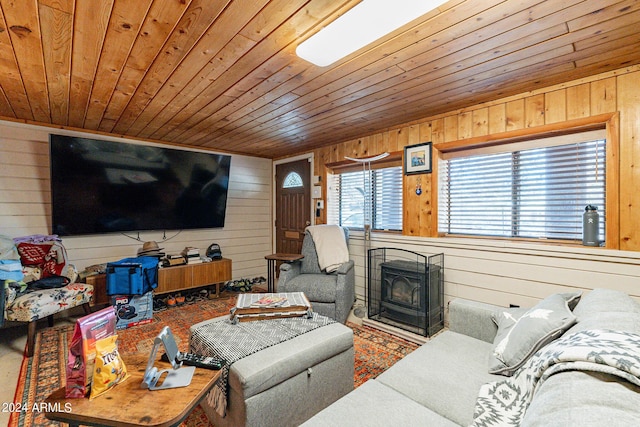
{"x":133,"y":310}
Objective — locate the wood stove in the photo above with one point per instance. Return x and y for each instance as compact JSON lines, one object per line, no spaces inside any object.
{"x":405,"y":290}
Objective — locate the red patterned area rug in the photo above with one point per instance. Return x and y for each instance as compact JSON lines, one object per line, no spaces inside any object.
{"x":40,"y":375}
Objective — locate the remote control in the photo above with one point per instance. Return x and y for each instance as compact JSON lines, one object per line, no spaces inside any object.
{"x":191,"y":359}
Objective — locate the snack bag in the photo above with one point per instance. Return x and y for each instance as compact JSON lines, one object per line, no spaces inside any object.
{"x":109,"y":369}
{"x":82,"y":351}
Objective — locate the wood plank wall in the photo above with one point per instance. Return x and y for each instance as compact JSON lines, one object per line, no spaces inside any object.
{"x":502,"y":271}
{"x":484,"y":270}
{"x":25,"y":207}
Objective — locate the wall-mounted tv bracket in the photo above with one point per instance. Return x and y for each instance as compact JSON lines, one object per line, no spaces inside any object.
{"x":179,"y":376}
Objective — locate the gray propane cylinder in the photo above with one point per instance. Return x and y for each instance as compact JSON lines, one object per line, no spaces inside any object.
{"x":591,"y":226}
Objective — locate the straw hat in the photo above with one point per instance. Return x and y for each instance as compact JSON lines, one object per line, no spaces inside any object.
{"x":150,"y":249}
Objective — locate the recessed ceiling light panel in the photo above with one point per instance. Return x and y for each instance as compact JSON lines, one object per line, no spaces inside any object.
{"x":362,"y":25}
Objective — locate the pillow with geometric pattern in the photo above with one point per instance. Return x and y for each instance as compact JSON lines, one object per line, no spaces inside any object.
{"x":33,"y":253}
{"x":523,"y":332}
{"x":49,"y":257}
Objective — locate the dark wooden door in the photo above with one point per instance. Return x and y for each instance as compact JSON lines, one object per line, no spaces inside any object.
{"x":293,"y":205}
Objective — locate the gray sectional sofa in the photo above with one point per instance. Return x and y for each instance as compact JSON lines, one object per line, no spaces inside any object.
{"x":439,"y":383}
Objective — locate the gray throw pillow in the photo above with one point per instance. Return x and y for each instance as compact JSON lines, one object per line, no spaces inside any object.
{"x":522,"y":332}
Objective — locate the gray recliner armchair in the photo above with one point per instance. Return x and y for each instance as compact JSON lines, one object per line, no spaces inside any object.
{"x":330,"y":294}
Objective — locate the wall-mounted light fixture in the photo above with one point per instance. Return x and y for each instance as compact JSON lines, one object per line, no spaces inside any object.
{"x":363,"y":24}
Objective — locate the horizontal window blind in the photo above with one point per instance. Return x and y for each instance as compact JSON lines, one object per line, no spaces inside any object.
{"x":352,"y":198}
{"x":533,"y":193}
{"x":387,"y":190}
{"x":373,"y":196}
{"x":333,"y":199}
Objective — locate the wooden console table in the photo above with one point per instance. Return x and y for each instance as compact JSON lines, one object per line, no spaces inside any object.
{"x":174,"y":279}
{"x":127,"y":404}
{"x":271,"y":265}
{"x":188,"y":276}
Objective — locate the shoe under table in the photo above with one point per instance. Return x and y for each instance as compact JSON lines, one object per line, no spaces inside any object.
{"x":288,"y":383}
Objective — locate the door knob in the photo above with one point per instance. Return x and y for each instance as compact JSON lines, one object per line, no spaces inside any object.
{"x":307,"y":223}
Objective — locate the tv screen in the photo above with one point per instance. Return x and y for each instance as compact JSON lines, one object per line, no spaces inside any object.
{"x":104,"y":186}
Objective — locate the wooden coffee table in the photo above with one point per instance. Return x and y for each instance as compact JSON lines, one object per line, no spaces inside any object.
{"x":129,"y":405}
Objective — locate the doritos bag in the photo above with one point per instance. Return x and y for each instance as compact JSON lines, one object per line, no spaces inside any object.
{"x":82,"y":351}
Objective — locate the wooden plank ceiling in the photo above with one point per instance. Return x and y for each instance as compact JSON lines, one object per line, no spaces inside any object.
{"x":224,"y":74}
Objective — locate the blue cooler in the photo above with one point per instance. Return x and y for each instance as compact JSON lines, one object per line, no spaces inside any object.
{"x":132,"y":276}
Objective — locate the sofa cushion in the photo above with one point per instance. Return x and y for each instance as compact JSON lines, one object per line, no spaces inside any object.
{"x":607,"y":309}
{"x":606,"y":300}
{"x":628,"y":322}
{"x":522,"y":334}
{"x":578,"y":398}
{"x":444,"y":375}
{"x":374,"y":404}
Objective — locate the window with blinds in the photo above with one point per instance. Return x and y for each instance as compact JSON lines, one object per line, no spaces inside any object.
{"x":537,"y":189}
{"x":374,"y":196}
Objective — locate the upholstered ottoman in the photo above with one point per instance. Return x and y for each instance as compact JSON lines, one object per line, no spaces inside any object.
{"x":286,"y":383}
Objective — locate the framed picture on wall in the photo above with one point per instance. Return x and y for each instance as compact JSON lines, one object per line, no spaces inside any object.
{"x":417,"y":158}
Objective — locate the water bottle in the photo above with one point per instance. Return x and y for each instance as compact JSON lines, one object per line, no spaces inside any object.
{"x":591,"y":226}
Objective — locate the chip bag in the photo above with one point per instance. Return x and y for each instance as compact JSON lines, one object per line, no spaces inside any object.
{"x":109,"y":369}
{"x":82,"y":351}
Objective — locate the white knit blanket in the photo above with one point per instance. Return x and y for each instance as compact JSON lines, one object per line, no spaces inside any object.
{"x":331,"y":246}
{"x":504,"y":403}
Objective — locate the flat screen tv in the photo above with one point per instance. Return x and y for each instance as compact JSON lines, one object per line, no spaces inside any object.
{"x":105,"y":186}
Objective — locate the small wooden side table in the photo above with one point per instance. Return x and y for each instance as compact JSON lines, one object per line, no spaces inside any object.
{"x":99,"y":283}
{"x":127,"y":404}
{"x":271,"y":266}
